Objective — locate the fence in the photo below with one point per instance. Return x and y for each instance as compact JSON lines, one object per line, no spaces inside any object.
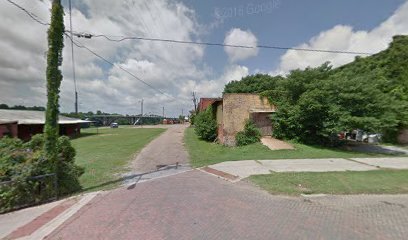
{"x":35,"y":190}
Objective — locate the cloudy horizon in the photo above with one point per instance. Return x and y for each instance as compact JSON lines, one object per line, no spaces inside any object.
{"x":172,"y":68}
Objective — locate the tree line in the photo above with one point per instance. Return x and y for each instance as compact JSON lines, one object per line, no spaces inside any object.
{"x":315,"y":104}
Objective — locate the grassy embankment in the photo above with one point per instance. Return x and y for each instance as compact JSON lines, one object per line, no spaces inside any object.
{"x":105,"y":155}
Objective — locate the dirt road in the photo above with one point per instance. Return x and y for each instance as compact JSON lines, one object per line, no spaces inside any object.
{"x":167,"y":149}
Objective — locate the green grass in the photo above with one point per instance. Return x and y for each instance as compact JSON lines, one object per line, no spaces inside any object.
{"x":371,"y":182}
{"x":105,"y":155}
{"x":204,"y":153}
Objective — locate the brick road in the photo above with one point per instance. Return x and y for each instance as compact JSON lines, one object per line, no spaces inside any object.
{"x":195,"y":205}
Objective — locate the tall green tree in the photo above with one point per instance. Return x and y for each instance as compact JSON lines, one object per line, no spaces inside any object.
{"x":54,"y":78}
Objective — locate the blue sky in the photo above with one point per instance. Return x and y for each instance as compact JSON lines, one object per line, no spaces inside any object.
{"x":285,"y":22}
{"x":178,"y":69}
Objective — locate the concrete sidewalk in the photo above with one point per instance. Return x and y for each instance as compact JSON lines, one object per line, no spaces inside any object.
{"x":39,"y":221}
{"x":243,"y":169}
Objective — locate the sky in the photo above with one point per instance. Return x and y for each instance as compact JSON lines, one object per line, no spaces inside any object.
{"x":175,"y":70}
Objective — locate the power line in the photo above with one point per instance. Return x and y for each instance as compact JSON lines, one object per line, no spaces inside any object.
{"x":118,"y":66}
{"x":30,"y":14}
{"x":124,"y":38}
{"x":34,"y":17}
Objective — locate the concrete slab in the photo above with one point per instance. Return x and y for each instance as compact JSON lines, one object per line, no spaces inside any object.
{"x":242,"y":169}
{"x":395,"y":163}
{"x":315,"y":165}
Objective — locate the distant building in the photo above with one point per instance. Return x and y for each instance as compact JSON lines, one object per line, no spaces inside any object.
{"x":25,"y":124}
{"x":206,"y":102}
{"x":235,"y":109}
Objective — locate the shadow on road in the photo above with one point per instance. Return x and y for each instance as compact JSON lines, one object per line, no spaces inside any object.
{"x":135,"y":178}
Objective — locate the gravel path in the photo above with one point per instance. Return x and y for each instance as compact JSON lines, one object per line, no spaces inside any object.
{"x":167,"y":149}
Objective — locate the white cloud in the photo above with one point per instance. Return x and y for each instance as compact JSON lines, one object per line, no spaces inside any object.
{"x":215,"y":87}
{"x":167,"y":67}
{"x":237,"y":36}
{"x":345,"y":38}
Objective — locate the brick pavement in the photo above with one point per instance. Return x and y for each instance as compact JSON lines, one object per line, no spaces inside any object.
{"x":195,"y":205}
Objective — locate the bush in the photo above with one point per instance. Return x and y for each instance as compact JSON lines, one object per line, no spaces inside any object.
{"x":20,"y":162}
{"x":250,"y":134}
{"x":206,"y":125}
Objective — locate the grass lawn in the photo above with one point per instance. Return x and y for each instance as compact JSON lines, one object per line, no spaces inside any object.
{"x":371,"y":182}
{"x":203,"y":153}
{"x":105,"y":155}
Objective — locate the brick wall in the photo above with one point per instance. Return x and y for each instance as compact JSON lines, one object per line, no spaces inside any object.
{"x":237,"y":109}
{"x":8,"y":129}
{"x":205,"y":103}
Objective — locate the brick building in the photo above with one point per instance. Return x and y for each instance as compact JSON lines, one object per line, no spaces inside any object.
{"x":25,"y":124}
{"x":205,"y":102}
{"x":8,"y":128}
{"x":235,"y":109}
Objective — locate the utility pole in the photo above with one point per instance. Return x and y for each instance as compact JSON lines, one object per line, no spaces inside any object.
{"x":194,"y":100}
{"x":73,"y":58}
{"x":163,"y":112}
{"x":141,"y":110}
{"x":54,"y":78}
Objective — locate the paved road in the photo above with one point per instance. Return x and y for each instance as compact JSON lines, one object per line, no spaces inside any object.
{"x":196,"y":205}
{"x":167,"y":149}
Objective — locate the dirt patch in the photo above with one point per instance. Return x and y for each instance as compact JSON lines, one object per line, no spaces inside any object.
{"x":275,"y":144}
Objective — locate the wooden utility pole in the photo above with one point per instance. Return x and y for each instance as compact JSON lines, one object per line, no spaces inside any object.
{"x":141,"y":112}
{"x":54,"y":78}
{"x":194,"y":101}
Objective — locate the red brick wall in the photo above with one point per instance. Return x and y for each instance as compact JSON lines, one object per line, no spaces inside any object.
{"x":70,"y":130}
{"x":8,"y":129}
{"x":205,"y":102}
{"x":25,"y":132}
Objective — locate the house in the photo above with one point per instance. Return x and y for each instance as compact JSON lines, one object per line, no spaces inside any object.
{"x":206,"y":102}
{"x":25,"y":124}
{"x":235,"y":109}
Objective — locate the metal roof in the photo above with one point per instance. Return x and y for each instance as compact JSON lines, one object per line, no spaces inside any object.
{"x":33,"y":117}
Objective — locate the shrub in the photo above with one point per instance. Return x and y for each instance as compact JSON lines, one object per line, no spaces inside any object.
{"x":21,"y":162}
{"x":69,"y":174}
{"x":206,"y":125}
{"x":250,"y":134}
